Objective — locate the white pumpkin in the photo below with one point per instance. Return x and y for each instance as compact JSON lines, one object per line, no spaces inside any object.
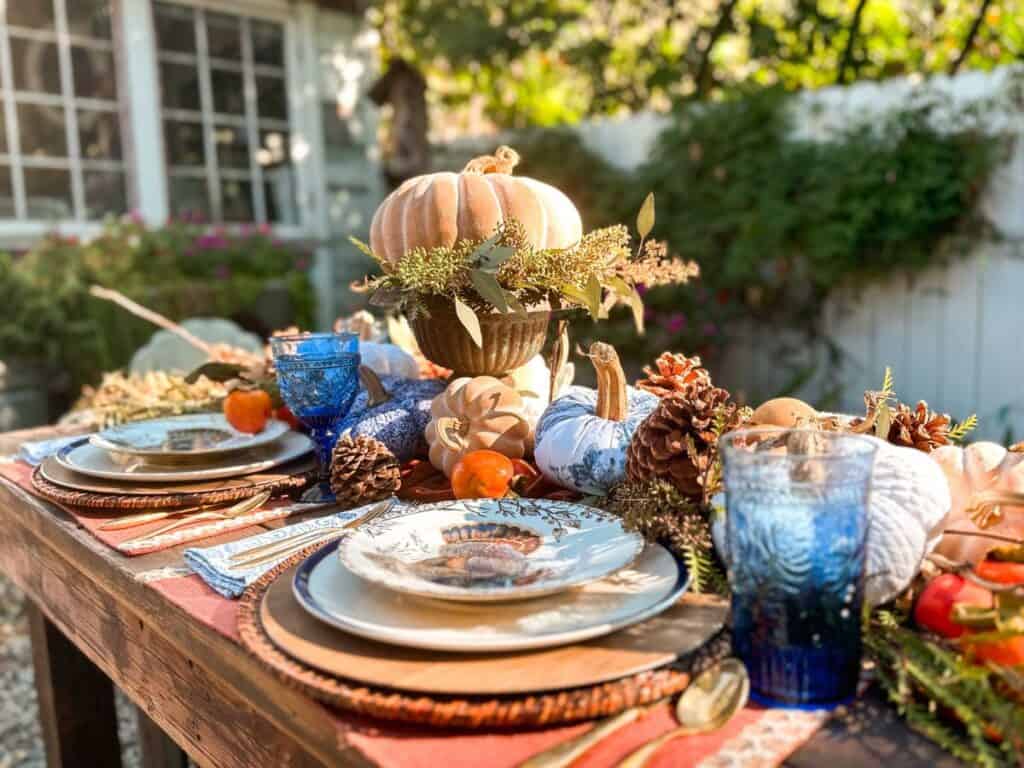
{"x":987,"y":485}
{"x":583,"y":436}
{"x":533,"y":383}
{"x":388,"y":360}
{"x":906,"y":513}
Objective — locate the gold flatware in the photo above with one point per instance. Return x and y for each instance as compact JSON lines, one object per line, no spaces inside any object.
{"x":282,"y":548}
{"x":143,"y":518}
{"x":236,"y":510}
{"x":706,"y":705}
{"x":566,"y":753}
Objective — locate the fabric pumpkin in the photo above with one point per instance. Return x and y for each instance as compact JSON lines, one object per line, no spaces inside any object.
{"x":439,"y":209}
{"x":907,"y":507}
{"x":393,"y":410}
{"x":987,"y":484}
{"x":583,"y":436}
{"x":475,"y":413}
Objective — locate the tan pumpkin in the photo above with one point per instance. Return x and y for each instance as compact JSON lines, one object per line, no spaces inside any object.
{"x":475,"y":413}
{"x":439,"y":209}
{"x":987,"y":485}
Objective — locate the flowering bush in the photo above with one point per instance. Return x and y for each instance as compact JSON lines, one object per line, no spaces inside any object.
{"x":182,"y":269}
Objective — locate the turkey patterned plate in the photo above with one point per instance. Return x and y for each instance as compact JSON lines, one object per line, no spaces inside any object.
{"x":488,"y":550}
{"x":180,"y":438}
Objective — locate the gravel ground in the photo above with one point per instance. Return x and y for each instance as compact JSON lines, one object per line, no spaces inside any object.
{"x":20,"y":740}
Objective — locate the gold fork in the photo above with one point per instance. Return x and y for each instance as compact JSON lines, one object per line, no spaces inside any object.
{"x":241,"y":508}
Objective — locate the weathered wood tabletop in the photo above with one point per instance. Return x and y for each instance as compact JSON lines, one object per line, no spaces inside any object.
{"x":94,"y":622}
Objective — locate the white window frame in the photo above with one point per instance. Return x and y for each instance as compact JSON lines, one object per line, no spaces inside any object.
{"x":142,"y":141}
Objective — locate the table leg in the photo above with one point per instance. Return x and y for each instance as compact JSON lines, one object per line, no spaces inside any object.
{"x":158,"y":749}
{"x":76,"y":700}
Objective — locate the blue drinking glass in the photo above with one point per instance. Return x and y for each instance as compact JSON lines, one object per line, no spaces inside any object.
{"x":796,"y":503}
{"x":318,"y":377}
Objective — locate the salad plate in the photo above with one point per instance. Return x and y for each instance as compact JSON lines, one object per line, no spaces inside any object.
{"x":489,"y":550}
{"x":188,"y":438}
{"x":327,"y":590}
{"x":87,"y":459}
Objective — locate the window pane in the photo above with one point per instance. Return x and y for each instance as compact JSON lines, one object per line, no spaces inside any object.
{"x":42,"y":130}
{"x":180,"y":86}
{"x":267,"y":43}
{"x":104,"y":193}
{"x":175,"y":28}
{"x":236,"y":200}
{"x":189,"y":198}
{"x":89,"y":18}
{"x":232,"y":147}
{"x":36,"y":66}
{"x":99,"y":135}
{"x":94,"y":73}
{"x":48,"y":193}
{"x":271,"y":97}
{"x":279,"y":193}
{"x":37,"y":14}
{"x":228,"y":92}
{"x":183,"y":143}
{"x":224,"y":36}
{"x":7,"y":209}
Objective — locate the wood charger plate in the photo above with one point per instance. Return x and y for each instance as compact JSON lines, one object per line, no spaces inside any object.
{"x":598,"y":678}
{"x":63,"y":486}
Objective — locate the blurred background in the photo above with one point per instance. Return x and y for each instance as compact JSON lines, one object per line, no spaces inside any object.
{"x":849,"y":174}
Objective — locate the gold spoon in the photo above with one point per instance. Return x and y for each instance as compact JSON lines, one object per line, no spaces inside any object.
{"x":707,"y":704}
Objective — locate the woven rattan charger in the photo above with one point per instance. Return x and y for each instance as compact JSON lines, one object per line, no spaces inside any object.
{"x":523,"y":709}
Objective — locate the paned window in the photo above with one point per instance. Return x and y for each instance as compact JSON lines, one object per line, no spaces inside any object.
{"x":225,"y":115}
{"x":60,"y":130}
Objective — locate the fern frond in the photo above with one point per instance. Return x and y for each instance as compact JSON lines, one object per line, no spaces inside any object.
{"x":964,"y":428}
{"x":888,"y":384}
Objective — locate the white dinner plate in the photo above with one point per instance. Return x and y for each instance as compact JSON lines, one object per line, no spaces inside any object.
{"x":489,"y":550}
{"x":88,"y":459}
{"x":196,"y":436}
{"x":333,"y":594}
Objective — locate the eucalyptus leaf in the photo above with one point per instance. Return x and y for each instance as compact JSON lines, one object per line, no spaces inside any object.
{"x":469,"y":321}
{"x":216,"y":371}
{"x":485,"y":247}
{"x":593,"y":294}
{"x":645,"y":218}
{"x":495,"y":257}
{"x":514,"y":304}
{"x":636,"y":305}
{"x":487,"y":286}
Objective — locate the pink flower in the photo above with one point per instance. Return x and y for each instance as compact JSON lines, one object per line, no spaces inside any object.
{"x":674,"y":323}
{"x":641,"y":289}
{"x":211,"y":242}
{"x":264,"y":229}
{"x":302,"y":263}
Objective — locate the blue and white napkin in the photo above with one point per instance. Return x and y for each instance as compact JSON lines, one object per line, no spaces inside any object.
{"x":35,"y":452}
{"x":213,"y":565}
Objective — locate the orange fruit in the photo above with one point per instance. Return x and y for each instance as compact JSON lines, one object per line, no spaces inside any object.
{"x":248,"y":410}
{"x":482,"y":474}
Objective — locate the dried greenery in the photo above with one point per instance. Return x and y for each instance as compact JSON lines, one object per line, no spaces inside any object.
{"x":122,"y":398}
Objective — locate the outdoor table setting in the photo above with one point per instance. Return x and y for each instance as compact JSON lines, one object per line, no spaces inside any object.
{"x":468,"y":559}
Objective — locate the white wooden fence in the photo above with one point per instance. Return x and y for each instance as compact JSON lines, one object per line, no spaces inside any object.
{"x":954,"y":334}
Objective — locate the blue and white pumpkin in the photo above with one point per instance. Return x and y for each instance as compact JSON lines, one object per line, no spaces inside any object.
{"x":394,"y":410}
{"x":583,"y":436}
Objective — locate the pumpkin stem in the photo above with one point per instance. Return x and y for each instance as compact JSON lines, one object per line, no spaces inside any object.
{"x":503,"y":160}
{"x":451,"y":431}
{"x":612,"y":397}
{"x":375,"y":391}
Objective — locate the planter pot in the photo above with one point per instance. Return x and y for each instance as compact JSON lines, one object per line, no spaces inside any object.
{"x":509,"y":340}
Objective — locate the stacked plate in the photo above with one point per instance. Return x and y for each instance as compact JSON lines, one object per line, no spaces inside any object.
{"x":179,"y":449}
{"x":489,"y":575}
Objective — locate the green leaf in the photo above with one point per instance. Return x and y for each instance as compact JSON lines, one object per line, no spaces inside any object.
{"x":490,"y":291}
{"x":574,"y":294}
{"x":593,"y":295}
{"x":645,"y":219}
{"x":216,"y":371}
{"x":469,"y":321}
{"x":363,"y":247}
{"x":495,"y":257}
{"x":636,"y":304}
{"x":514,"y":304}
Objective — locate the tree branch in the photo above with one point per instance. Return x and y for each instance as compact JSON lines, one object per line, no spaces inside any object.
{"x":702,"y":79}
{"x":847,"y":59}
{"x":971,"y":34}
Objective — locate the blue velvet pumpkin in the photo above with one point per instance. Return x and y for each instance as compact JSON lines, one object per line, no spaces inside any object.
{"x":393,"y":410}
{"x":583,"y":436}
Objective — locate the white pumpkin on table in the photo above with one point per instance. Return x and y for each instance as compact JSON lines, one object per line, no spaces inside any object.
{"x":382,"y":358}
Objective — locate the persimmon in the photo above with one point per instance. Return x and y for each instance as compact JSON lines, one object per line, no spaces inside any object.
{"x":1000,"y":572}
{"x":935,"y":604}
{"x":1008,"y":652}
{"x":482,"y":474}
{"x":248,"y":410}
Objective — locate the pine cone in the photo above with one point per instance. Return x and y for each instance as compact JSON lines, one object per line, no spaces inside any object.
{"x":678,"y":441}
{"x":673,"y":373}
{"x":918,"y":427}
{"x":363,"y":470}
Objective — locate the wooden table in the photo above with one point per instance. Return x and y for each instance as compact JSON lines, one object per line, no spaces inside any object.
{"x":95,"y":623}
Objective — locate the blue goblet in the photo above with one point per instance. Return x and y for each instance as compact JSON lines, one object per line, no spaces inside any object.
{"x":796,"y":505}
{"x":317,"y":374}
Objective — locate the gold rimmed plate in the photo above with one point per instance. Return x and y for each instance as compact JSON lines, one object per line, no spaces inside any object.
{"x":176,"y":440}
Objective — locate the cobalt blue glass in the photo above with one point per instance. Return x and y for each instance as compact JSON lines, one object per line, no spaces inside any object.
{"x":318,"y":377}
{"x":796,"y":505}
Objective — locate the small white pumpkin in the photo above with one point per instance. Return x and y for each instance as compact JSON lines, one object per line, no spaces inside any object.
{"x":583,"y":436}
{"x":906,"y":512}
{"x":380,"y":357}
{"x":533,"y":383}
{"x":987,"y":484}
